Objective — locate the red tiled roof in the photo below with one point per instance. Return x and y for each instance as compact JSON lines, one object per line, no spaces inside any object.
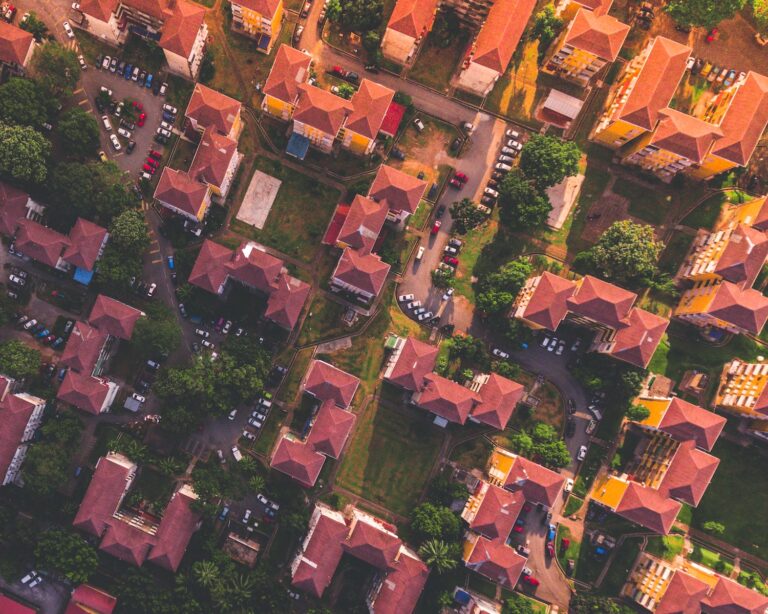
{"x":102,"y":497}
{"x":86,"y":239}
{"x":265,"y":8}
{"x":113,"y":317}
{"x":601,"y":35}
{"x":100,"y":9}
{"x":655,"y":84}
{"x":412,"y":17}
{"x":255,"y":267}
{"x":212,"y":159}
{"x":496,"y":561}
{"x":213,"y":109}
{"x":372,"y":545}
{"x":298,"y":461}
{"x":329,"y":383}
{"x":598,"y":7}
{"x":290,"y":68}
{"x":648,"y":508}
{"x":499,"y":397}
{"x":126,"y":542}
{"x":683,"y":595}
{"x":321,"y":556}
{"x":446,"y":398}
{"x":83,"y":348}
{"x":13,"y":207}
{"x":686,"y":421}
{"x":367,"y":272}
{"x":15,"y":413}
{"x":548,"y":304}
{"x":684,"y":135}
{"x":744,"y":121}
{"x":743,"y":256}
{"x":401,"y":588}
{"x":497,"y":513}
{"x":730,"y":597}
{"x":689,"y":474}
{"x":602,"y":302}
{"x":392,"y":119}
{"x":401,"y":191}
{"x":321,"y":109}
{"x":181,"y":30}
{"x":87,"y":599}
{"x":416,"y":359}
{"x":500,"y":33}
{"x":83,"y":391}
{"x":286,"y":301}
{"x":363,"y":223}
{"x":8,"y":605}
{"x":537,"y":483}
{"x":14,"y":44}
{"x":181,"y":191}
{"x":747,"y":309}
{"x":209,"y":271}
{"x":178,"y":524}
{"x":40,"y":243}
{"x":331,"y":429}
{"x":637,"y":342}
{"x":369,"y":106}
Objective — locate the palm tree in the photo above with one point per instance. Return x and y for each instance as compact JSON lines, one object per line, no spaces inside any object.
{"x":240,"y":589}
{"x":256,"y":483}
{"x":169,"y":466}
{"x":438,"y":555}
{"x":206,"y":574}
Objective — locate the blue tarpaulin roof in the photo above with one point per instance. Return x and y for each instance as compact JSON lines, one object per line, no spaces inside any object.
{"x":264,"y":42}
{"x":83,"y":276}
{"x":298,"y":146}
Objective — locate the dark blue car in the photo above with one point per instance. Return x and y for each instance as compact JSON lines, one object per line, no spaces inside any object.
{"x":148,"y":82}
{"x":128,"y":71}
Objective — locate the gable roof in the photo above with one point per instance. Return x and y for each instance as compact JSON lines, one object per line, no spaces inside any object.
{"x":252,"y":265}
{"x":412,"y":17}
{"x":683,"y":595}
{"x":113,"y":317}
{"x":367,"y":272}
{"x":126,"y":542}
{"x":744,"y":255}
{"x":83,"y":348}
{"x":83,"y":391}
{"x":601,"y":301}
{"x":286,"y":300}
{"x":446,"y":398}
{"x":689,"y":474}
{"x":401,"y":589}
{"x":298,"y":461}
{"x":496,"y":561}
{"x":15,"y":412}
{"x":40,"y":243}
{"x":499,"y":397}
{"x":747,"y":309}
{"x":265,"y":8}
{"x":321,"y":556}
{"x":655,"y":84}
{"x":329,"y":383}
{"x":744,"y":120}
{"x":601,"y":35}
{"x":500,"y":33}
{"x":369,"y":106}
{"x":181,"y":191}
{"x":212,"y":109}
{"x":686,"y":421}
{"x":684,"y":135}
{"x":100,"y":9}
{"x":363,"y":223}
{"x":321,"y":109}
{"x":331,"y":429}
{"x":730,"y":597}
{"x":497,"y":513}
{"x":401,"y":191}
{"x":290,"y":68}
{"x":537,"y":483}
{"x":209,"y":271}
{"x":14,"y":44}
{"x":212,"y":158}
{"x":87,"y":599}
{"x":637,"y":342}
{"x":177,"y":525}
{"x":648,"y":508}
{"x":13,"y":207}
{"x":104,"y":493}
{"x":86,"y":239}
{"x":416,"y":359}
{"x":372,"y":545}
{"x":548,"y":304}
{"x":180,"y":31}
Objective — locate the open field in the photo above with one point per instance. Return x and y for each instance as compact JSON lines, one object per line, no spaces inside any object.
{"x":435,"y":65}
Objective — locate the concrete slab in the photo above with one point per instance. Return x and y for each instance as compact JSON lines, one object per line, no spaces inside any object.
{"x":563,"y":197}
{"x":258,"y":200}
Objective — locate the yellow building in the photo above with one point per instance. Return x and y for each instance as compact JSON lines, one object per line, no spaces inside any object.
{"x":281,"y":90}
{"x":370,"y":104}
{"x":743,"y":389}
{"x":725,"y":306}
{"x":258,"y":19}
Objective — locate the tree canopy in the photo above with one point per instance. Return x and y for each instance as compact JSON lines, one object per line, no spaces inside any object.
{"x":22,"y":103}
{"x":546,"y":27}
{"x":439,"y":555}
{"x":67,"y":555}
{"x":435,"y":521}
{"x":517,"y":604}
{"x":46,"y":466}
{"x":625,"y":252}
{"x":158,"y":334}
{"x":56,"y":69}
{"x":522,"y":206}
{"x":543,"y":444}
{"x":547,"y":160}
{"x":79,"y":133}
{"x":18,"y":360}
{"x":466,"y":216}
{"x":23,"y":154}
{"x":638,"y":413}
{"x":497,"y":291}
{"x":704,"y":13}
{"x":357,"y":15}
{"x":35,"y":26}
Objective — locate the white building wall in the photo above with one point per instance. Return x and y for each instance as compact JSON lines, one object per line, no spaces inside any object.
{"x":477,"y":79}
{"x":397,"y":46}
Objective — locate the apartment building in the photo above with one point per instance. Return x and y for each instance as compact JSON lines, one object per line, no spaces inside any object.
{"x":20,"y":414}
{"x":408,"y":26}
{"x":16,"y":49}
{"x":743,"y":392}
{"x":281,"y":89}
{"x":261,"y":20}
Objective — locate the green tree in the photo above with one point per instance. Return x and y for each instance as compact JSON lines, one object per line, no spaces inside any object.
{"x":716,"y":528}
{"x":156,"y":335}
{"x":23,"y":154}
{"x":638,"y":413}
{"x":438,"y":555}
{"x":66,"y":554}
{"x":466,"y":216}
{"x":704,"y":13}
{"x":543,"y":433}
{"x":360,"y":15}
{"x":371,"y":41}
{"x":346,"y":91}
{"x":546,"y":28}
{"x":333,"y":10}
{"x":35,"y":26}
{"x":206,"y":574}
{"x":56,"y":69}
{"x":129,"y":232}
{"x":521,"y":205}
{"x":79,"y":133}
{"x":522,"y":443}
{"x":517,"y":604}
{"x":18,"y":360}
{"x":588,"y":603}
{"x":547,"y":160}
{"x":760,"y":12}
{"x":21,"y":103}
{"x":432,"y":521}
{"x":497,"y":291}
{"x":553,"y":454}
{"x":442,"y":279}
{"x":626,"y":252}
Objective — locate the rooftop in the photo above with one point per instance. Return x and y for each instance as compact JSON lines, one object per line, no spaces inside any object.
{"x":290,"y":68}
{"x":328,"y":383}
{"x":412,"y":17}
{"x":601,"y":35}
{"x":401,"y":191}
{"x":501,"y":32}
{"x":212,"y":109}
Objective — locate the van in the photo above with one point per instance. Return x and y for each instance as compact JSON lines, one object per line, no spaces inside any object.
{"x":237,"y":454}
{"x":420,"y":253}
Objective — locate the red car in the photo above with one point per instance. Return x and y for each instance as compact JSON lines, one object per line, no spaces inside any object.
{"x":712,"y":35}
{"x":155,"y":154}
{"x":451,"y":260}
{"x":152,"y":162}
{"x":550,"y":550}
{"x":149,"y":169}
{"x":518,"y":526}
{"x":460,"y":176}
{"x":531,"y":580}
{"x":138,"y":106}
{"x":436,"y":227}
{"x":141,"y":120}
{"x":455,"y":183}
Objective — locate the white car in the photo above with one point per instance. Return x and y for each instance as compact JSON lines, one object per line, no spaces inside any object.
{"x":499,"y":353}
{"x":405,"y":297}
{"x":115,"y":142}
{"x":105,"y":63}
{"x":420,"y":253}
{"x":81,"y":59}
{"x":68,"y":30}
{"x":503,"y":167}
{"x":208,"y":344}
{"x":75,"y":6}
{"x":425,"y":316}
{"x":106,"y":90}
{"x":238,"y":456}
{"x":544,"y":341}
{"x":151,"y":289}
{"x":512,"y":134}
{"x":232,"y":415}
{"x":164,"y":132}
{"x":163,"y":89}
{"x":491,"y":192}
{"x":14,"y":279}
{"x":552,"y":345}
{"x":202,"y":333}
{"x":170,"y":109}
{"x":508,"y":151}
{"x":506,"y":159}
{"x":560,"y":348}
{"x":568,"y":485}
{"x":226,"y":328}
{"x":166,"y":126}
{"x":582,"y":453}
{"x":138,"y":397}
{"x":448,"y":294}
{"x":591,"y":427}
{"x":249,"y":436}
{"x":124,"y":133}
{"x":32,"y":579}
{"x":106,"y":122}
{"x":413,"y":304}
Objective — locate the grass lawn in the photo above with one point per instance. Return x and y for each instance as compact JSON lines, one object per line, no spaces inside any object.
{"x":710,"y":558}
{"x":390,"y":457}
{"x":269,"y":432}
{"x":666,"y":547}
{"x":648,"y":205}
{"x":482,"y":585}
{"x":435,"y":65}
{"x":182,"y":157}
{"x":425,"y":151}
{"x":299,"y":216}
{"x":742,"y":482}
{"x":573,"y":505}
{"x":325,"y":322}
{"x":619,"y":570}
{"x":588,"y":470}
{"x":706,"y":214}
{"x":421,"y":215}
{"x":473,"y":453}
{"x":291,"y":383}
{"x":573,"y":550}
{"x":674,"y":252}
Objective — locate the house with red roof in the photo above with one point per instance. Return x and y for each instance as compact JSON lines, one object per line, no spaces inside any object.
{"x":360,"y":275}
{"x":281,"y":89}
{"x":400,"y":191}
{"x":20,"y":416}
{"x":133,"y":535}
{"x":87,"y":599}
{"x":400,"y":574}
{"x":362,"y":225}
{"x":621,"y":330}
{"x":261,"y":20}
{"x":16,"y":49}
{"x":408,"y":26}
{"x":743,"y":391}
{"x":15,"y":205}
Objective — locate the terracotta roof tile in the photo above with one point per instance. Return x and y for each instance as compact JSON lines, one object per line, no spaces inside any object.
{"x":328,"y":383}
{"x":496,"y":561}
{"x":500,"y":33}
{"x":602,"y":302}
{"x":497,"y":513}
{"x":363,"y":224}
{"x":598,"y":7}
{"x":286,"y":300}
{"x":104,"y":493}
{"x":537,"y":483}
{"x":83,"y":348}
{"x":126,"y":542}
{"x":265,"y":8}
{"x":689,"y":474}
{"x":181,"y":31}
{"x":210,"y":271}
{"x":372,"y":545}
{"x":637,"y":342}
{"x":40,"y":243}
{"x":683,"y":595}
{"x":290,"y":68}
{"x":369,"y":106}
{"x":113,"y":317}
{"x":686,"y":421}
{"x":177,"y":525}
{"x":86,"y":239}
{"x":14,"y":44}
{"x":213,"y":109}
{"x":744,"y":121}
{"x":87,"y":599}
{"x":743,"y":256}
{"x":499,"y":397}
{"x":212,"y":159}
{"x":367,"y":272}
{"x":446,"y":398}
{"x":298,"y":461}
{"x":15,"y":413}
{"x":83,"y":391}
{"x":549,"y":303}
{"x":181,"y":191}
{"x":401,"y":588}
{"x":684,"y":135}
{"x":253,"y":266}
{"x":321,"y":556}
{"x":415,"y":361}
{"x":412,"y":17}
{"x":100,"y":9}
{"x":13,"y":207}
{"x":730,"y":597}
{"x":401,"y":191}
{"x":648,"y":508}
{"x":601,"y":35}
{"x":331,"y":429}
{"x":747,"y":309}
{"x":321,"y":109}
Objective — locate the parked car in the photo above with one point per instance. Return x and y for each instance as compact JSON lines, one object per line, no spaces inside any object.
{"x":151,"y":289}
{"x":500,"y":353}
{"x":138,"y":397}
{"x":461,"y":176}
{"x":115,"y":143}
{"x":106,"y":122}
{"x":405,"y":297}
{"x":68,"y":29}
{"x":455,"y":183}
{"x":419,"y":124}
{"x":591,"y":427}
{"x":568,"y":485}
{"x":124,"y":133}
{"x":436,"y":227}
{"x":582,"y":453}
{"x":503,"y":167}
{"x":452,"y":260}
{"x":425,"y":316}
